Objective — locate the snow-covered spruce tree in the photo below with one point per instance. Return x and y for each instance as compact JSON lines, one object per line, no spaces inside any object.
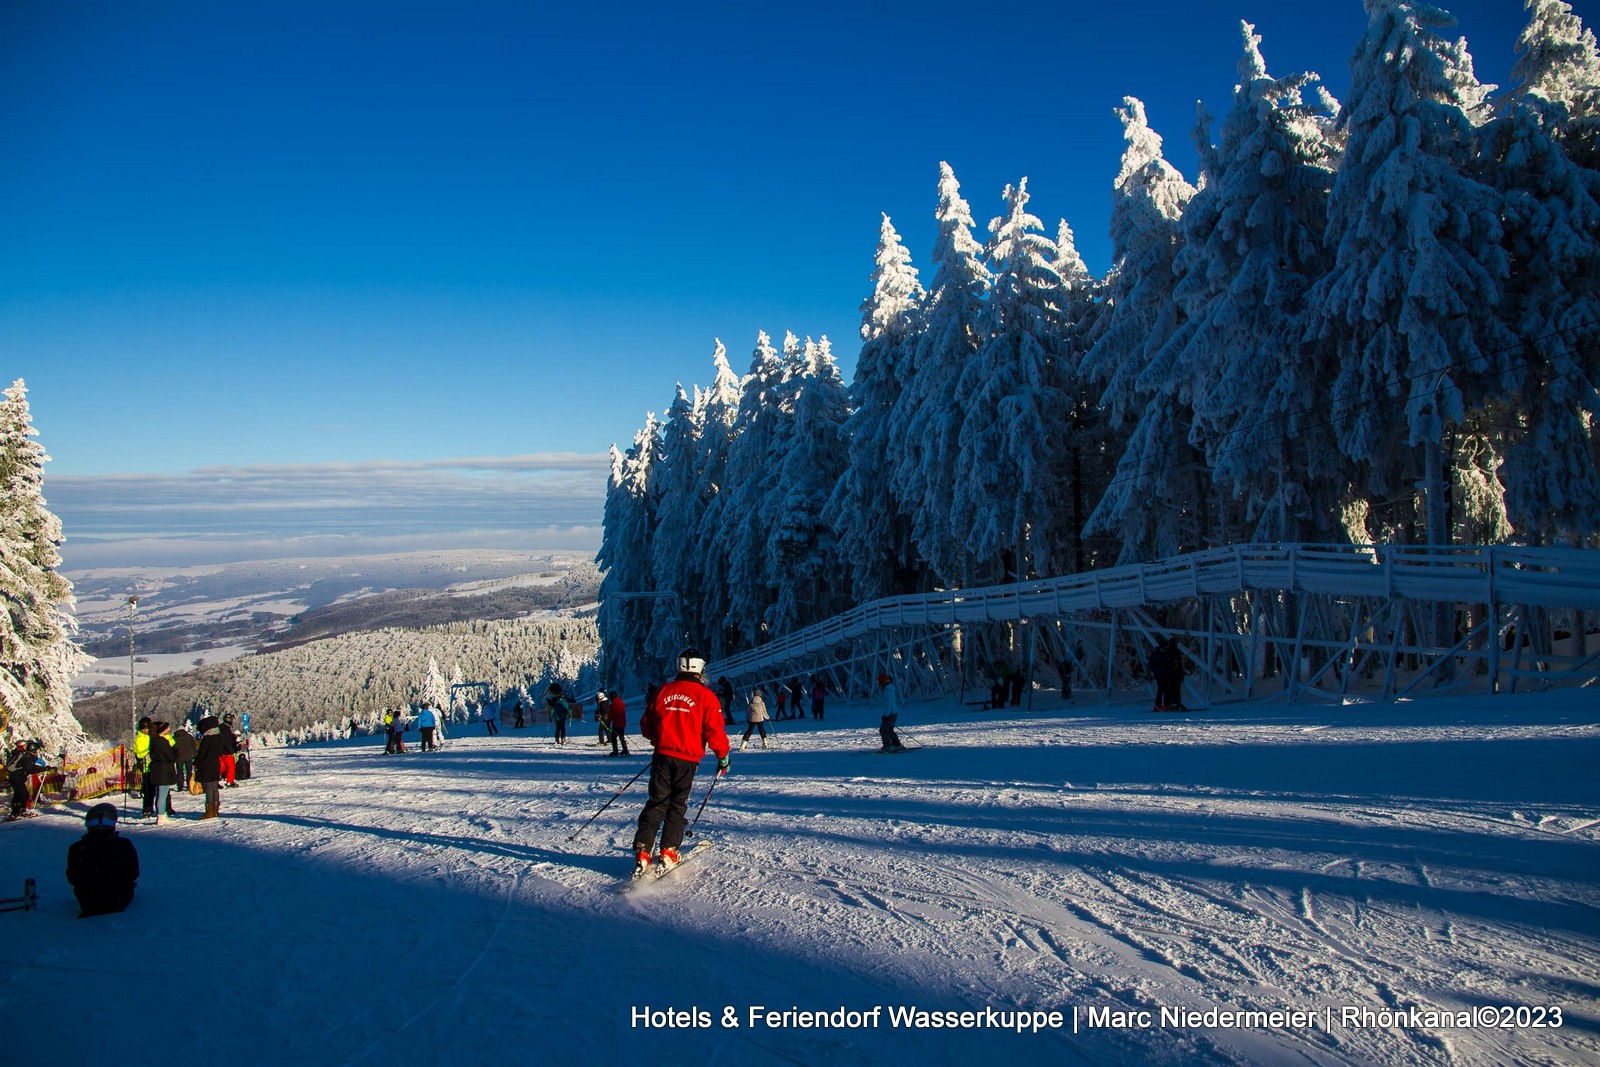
{"x":742,"y":527}
{"x":675,"y":564}
{"x":1252,"y":245}
{"x":1016,"y":409}
{"x":1559,"y":64}
{"x":1154,"y":504}
{"x":625,"y":556}
{"x":803,"y":560}
{"x":37,"y":649}
{"x":435,"y":690}
{"x":720,"y":412}
{"x":1552,"y":303}
{"x":873,"y":530}
{"x":1087,"y":461}
{"x":1408,"y":310}
{"x":926,"y":421}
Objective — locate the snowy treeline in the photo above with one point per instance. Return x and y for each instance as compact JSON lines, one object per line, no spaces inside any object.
{"x":1370,"y":321}
{"x":38,"y":650}
{"x":313,"y":691}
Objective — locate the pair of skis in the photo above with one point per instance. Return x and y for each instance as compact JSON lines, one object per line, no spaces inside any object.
{"x":656,"y":873}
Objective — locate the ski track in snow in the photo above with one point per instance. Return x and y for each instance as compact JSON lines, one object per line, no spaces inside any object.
{"x":352,"y":908}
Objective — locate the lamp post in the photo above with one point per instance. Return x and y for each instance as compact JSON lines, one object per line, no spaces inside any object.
{"x":133,"y":691}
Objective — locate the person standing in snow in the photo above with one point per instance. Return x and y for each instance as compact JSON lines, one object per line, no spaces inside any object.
{"x":184,"y":742}
{"x":783,"y":701}
{"x":819,"y":696}
{"x":560,"y":710}
{"x":725,"y":694}
{"x":491,"y":719}
{"x":891,"y":714}
{"x":617,"y":721}
{"x":141,"y":763}
{"x":208,"y":763}
{"x":230,"y":758}
{"x":427,"y":722}
{"x":102,"y":867}
{"x":521,"y":718}
{"x":682,"y":722}
{"x":163,"y":768}
{"x":602,"y":720}
{"x":22,"y":763}
{"x":756,"y":718}
{"x":1166,"y":668}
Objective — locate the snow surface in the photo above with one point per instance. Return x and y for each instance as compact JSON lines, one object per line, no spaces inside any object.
{"x":356,"y":908}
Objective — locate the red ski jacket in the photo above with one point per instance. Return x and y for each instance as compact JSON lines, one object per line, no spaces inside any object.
{"x":683,"y":720}
{"x":618,"y":712}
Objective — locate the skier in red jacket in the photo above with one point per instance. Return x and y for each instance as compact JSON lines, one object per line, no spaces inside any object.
{"x":682,"y":721}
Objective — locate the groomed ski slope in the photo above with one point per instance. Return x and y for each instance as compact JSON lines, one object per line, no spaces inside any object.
{"x":356,"y":908}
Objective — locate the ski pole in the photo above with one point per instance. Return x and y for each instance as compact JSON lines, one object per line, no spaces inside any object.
{"x":610,"y":802}
{"x":690,"y":832}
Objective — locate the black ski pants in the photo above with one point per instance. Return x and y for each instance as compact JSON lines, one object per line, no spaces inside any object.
{"x":671,"y":782}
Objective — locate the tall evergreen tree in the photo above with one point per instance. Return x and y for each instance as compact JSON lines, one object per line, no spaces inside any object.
{"x":1552,"y":221}
{"x":873,"y":529}
{"x":675,"y":563}
{"x":803,"y":560}
{"x":37,"y":630}
{"x":625,"y":556}
{"x":926,"y":422}
{"x":1407,"y":311}
{"x":1251,"y":249}
{"x":1153,"y":505}
{"x":743,"y":525}
{"x":1016,"y":407}
{"x":720,"y":412}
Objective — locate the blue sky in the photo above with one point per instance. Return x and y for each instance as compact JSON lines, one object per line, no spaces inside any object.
{"x":261,"y":260}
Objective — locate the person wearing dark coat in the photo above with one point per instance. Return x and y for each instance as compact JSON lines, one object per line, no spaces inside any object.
{"x":163,"y":768}
{"x":208,"y":763}
{"x":102,"y":867}
{"x":1166,"y":667}
{"x":230,"y":758}
{"x":21,"y":765}
{"x":184,"y":742}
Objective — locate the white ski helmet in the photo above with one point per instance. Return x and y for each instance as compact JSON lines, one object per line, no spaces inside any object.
{"x":692,"y":661}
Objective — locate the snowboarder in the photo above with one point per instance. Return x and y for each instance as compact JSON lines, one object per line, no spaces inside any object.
{"x":756,"y":718}
{"x":102,"y":867}
{"x":684,"y":719}
{"x":617,"y":721}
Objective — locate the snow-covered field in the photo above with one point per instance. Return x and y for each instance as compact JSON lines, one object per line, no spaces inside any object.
{"x":1442,"y":855}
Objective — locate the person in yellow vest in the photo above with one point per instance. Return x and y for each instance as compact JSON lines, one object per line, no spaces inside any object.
{"x":141,"y":763}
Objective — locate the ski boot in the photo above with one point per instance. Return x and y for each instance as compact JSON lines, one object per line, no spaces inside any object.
{"x":668,"y":860}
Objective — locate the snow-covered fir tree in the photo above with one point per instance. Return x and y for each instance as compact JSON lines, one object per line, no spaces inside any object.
{"x":719,"y":415}
{"x":873,"y":530}
{"x":1251,"y":250}
{"x":802,"y":554}
{"x":925,"y":426}
{"x":1407,"y":311}
{"x":1558,"y":63}
{"x":434,"y":690}
{"x":1552,"y":302}
{"x":675,"y":569}
{"x":37,"y":630}
{"x":1087,"y":458}
{"x":742,"y":527}
{"x":625,"y":555}
{"x":1016,"y":409}
{"x":1154,"y":505}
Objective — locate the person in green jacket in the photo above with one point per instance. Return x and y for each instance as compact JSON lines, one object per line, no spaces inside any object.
{"x":141,"y":763}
